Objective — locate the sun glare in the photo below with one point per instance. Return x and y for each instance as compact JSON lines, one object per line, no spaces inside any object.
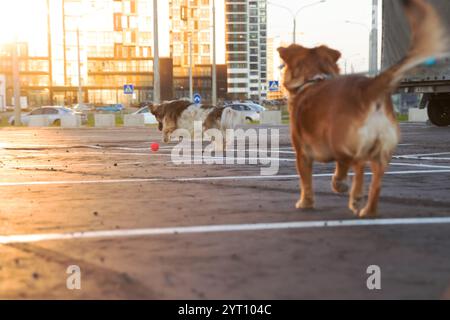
{"x":24,"y":19}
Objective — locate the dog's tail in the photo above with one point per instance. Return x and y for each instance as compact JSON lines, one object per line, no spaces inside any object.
{"x":230,"y":119}
{"x":429,"y":40}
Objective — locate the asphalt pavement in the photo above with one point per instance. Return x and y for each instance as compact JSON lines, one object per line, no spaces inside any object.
{"x":140,"y":226}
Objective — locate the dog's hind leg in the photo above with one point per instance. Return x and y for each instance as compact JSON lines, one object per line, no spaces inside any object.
{"x":168,"y":128}
{"x":370,"y":211}
{"x":356,"y":202}
{"x":339,"y":183}
{"x":304,"y":167}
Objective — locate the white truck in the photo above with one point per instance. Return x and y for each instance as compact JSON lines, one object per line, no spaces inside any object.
{"x":431,"y":80}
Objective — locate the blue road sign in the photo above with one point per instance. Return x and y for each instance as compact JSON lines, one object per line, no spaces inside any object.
{"x":197,"y":98}
{"x":128,"y":89}
{"x":274,"y":86}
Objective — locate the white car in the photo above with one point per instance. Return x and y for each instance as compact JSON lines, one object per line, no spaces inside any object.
{"x":248,"y":113}
{"x":53,"y":114}
{"x":256,"y":107}
{"x":83,"y":107}
{"x":149,"y":118}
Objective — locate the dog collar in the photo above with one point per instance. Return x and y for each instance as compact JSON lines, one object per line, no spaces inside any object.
{"x":313,"y":80}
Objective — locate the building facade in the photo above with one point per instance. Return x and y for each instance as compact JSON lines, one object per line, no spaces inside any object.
{"x":106,"y":44}
{"x":113,"y":40}
{"x":191,"y":37}
{"x":246,"y":46}
{"x":109,"y":42}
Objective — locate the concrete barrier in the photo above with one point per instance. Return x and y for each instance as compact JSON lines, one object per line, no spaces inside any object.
{"x":105,"y":120}
{"x":133,"y":120}
{"x":417,"y":115}
{"x":271,"y":118}
{"x":71,"y":121}
{"x":39,"y":121}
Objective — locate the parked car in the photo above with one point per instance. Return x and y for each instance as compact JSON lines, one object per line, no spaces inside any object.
{"x":111,"y":108}
{"x":256,"y":107}
{"x":149,"y":118}
{"x":83,"y":107}
{"x":248,"y":113}
{"x":54,"y":114}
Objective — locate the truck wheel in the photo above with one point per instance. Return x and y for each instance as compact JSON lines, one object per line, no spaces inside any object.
{"x":439,"y":112}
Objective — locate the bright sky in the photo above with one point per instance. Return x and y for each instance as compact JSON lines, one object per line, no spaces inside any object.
{"x":163,"y":7}
{"x":320,"y":24}
{"x":325,"y":24}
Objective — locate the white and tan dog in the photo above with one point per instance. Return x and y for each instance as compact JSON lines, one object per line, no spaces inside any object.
{"x":182,"y":114}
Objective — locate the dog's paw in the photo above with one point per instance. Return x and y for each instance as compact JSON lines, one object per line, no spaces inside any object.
{"x":356,"y":205}
{"x":366,"y":213}
{"x":339,"y":186}
{"x":305,"y":204}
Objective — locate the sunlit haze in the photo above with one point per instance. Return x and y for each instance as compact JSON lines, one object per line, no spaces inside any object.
{"x":320,"y":24}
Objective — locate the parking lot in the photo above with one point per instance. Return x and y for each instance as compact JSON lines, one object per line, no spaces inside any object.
{"x":139,"y":226}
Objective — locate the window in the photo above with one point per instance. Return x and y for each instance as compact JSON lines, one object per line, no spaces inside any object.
{"x":49,"y":111}
{"x":37,"y":112}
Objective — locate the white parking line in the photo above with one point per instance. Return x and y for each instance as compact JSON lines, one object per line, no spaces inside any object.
{"x":127,"y":233}
{"x":419,"y":165}
{"x":424,"y":154}
{"x":420,"y":158}
{"x":71,"y":165}
{"x":196,"y":179}
{"x":121,"y":164}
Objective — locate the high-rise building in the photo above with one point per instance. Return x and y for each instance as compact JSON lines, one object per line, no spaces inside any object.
{"x":109,"y":41}
{"x":246,"y":45}
{"x":191,"y":36}
{"x":271,"y":59}
{"x":190,"y":21}
{"x":115,"y":42}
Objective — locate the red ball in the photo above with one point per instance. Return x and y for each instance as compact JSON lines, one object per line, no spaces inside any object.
{"x":154,"y":146}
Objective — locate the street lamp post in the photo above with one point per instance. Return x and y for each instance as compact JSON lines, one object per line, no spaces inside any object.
{"x":374,"y":40}
{"x":347,"y":59}
{"x":156,"y":75}
{"x":80,"y":89}
{"x":191,"y":66}
{"x":214,"y":67}
{"x":16,"y":82}
{"x":80,"y":98}
{"x":373,"y":46}
{"x":295,"y":14}
{"x":185,"y":18}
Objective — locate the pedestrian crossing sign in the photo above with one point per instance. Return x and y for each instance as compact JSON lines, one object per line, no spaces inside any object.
{"x":274,"y":86}
{"x":128,"y":89}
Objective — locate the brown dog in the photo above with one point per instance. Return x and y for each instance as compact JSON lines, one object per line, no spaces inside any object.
{"x":351,"y":119}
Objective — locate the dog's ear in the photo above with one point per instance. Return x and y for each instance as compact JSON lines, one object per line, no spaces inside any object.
{"x":291,"y":54}
{"x":154,"y":108}
{"x":283,"y":53}
{"x":334,"y":55}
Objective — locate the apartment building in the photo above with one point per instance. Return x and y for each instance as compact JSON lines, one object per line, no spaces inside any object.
{"x":109,"y":41}
{"x":246,"y":46}
{"x":191,"y":36}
